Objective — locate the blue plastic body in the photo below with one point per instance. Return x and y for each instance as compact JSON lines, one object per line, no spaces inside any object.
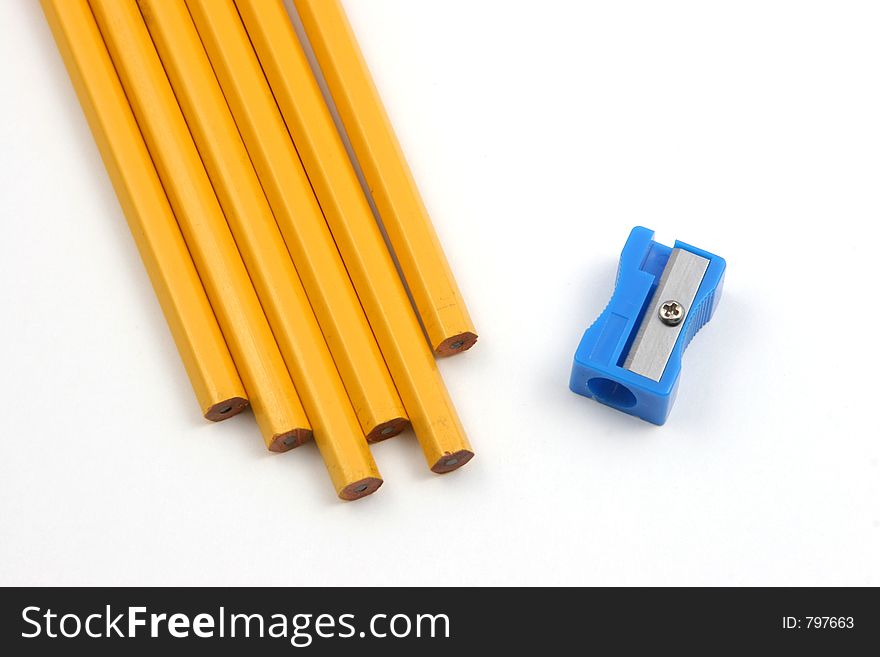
{"x":598,"y":363}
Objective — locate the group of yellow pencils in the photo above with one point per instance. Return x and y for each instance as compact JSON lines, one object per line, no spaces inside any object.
{"x":260,"y":242}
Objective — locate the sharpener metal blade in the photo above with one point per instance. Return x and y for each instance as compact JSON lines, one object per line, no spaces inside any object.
{"x":655,"y":340}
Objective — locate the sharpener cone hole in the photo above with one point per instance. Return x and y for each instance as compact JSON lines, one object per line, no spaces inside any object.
{"x":611,"y":393}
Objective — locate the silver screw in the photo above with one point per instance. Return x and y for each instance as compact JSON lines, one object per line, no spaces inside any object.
{"x":671,"y":313}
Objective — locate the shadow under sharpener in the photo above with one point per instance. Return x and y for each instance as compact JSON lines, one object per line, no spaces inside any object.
{"x":630,"y":358}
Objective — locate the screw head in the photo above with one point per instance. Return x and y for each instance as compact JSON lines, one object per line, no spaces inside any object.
{"x":671,"y":313}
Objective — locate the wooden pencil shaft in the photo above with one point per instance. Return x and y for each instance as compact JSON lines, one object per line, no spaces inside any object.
{"x":276,"y":406}
{"x":336,"y":305}
{"x":391,"y":184}
{"x":357,"y":235}
{"x":336,"y":429}
{"x":193,"y":325}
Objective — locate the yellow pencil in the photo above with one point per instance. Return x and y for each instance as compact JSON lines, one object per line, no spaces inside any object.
{"x":215,"y":254}
{"x":351,"y":341}
{"x":337,"y":431}
{"x":189,"y":315}
{"x":412,"y":235}
{"x":369,"y":263}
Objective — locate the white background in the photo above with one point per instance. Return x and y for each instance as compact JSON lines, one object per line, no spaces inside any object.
{"x":540,"y":133}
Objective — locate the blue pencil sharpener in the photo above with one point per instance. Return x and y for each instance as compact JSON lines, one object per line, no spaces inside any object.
{"x":630,"y":358}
